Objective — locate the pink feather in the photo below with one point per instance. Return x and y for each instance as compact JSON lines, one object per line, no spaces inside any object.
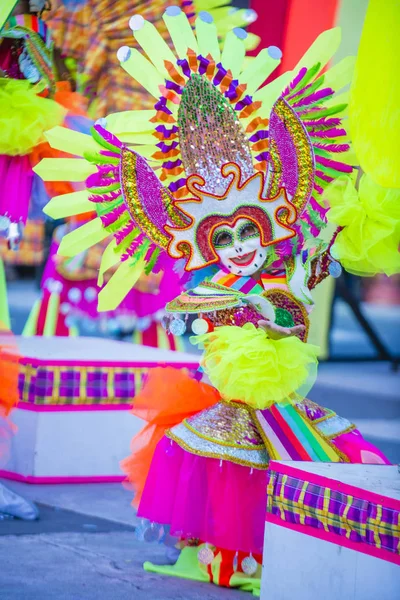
{"x":113,"y":216}
{"x":105,"y":197}
{"x":123,"y":233}
{"x":333,"y":147}
{"x":327,"y":133}
{"x":333,"y":164}
{"x":323,"y":122}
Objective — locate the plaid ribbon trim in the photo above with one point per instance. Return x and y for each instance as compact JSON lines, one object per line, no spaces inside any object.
{"x":61,"y":385}
{"x":303,"y":503}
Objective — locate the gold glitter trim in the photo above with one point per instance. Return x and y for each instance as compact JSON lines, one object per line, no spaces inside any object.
{"x":174,"y":214}
{"x":205,"y":454}
{"x":133,"y":202}
{"x":222,"y":442}
{"x":201,"y":304}
{"x":276,"y":292}
{"x":304,"y":153}
{"x":276,"y":171}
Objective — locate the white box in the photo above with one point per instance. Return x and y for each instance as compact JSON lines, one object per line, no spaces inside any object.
{"x":304,"y":562}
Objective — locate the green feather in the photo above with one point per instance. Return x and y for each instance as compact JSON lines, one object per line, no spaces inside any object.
{"x":99,"y":159}
{"x":325,"y":112}
{"x":311,"y":73}
{"x":153,"y":259}
{"x":102,"y":142}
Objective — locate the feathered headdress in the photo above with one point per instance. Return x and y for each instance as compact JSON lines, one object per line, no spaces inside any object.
{"x":218,"y":145}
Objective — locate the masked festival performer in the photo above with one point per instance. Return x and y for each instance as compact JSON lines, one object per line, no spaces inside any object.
{"x":91,"y":31}
{"x":230,"y":178}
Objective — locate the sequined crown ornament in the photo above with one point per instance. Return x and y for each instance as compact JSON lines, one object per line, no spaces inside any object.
{"x":241,"y":199}
{"x":218,"y":144}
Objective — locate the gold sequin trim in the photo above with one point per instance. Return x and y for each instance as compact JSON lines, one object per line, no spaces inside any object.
{"x":203,"y":305}
{"x":226,"y":424}
{"x":279,"y":299}
{"x":209,"y":454}
{"x":305,"y":162}
{"x":133,"y":201}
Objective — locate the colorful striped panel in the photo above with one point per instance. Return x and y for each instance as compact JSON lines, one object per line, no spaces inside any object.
{"x":289,"y":436}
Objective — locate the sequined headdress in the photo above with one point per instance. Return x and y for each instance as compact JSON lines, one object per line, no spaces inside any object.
{"x":219,"y":145}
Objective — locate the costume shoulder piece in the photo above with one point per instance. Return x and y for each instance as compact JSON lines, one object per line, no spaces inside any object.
{"x":218,"y":147}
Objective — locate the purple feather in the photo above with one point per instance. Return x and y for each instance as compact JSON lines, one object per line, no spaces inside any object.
{"x":315,"y":97}
{"x":318,"y":188}
{"x":295,"y":81}
{"x":313,"y":228}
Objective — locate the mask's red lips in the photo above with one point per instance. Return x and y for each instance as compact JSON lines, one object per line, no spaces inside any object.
{"x":245,"y":260}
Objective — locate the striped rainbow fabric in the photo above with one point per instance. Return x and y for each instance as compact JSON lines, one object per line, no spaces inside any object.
{"x":290,"y":436}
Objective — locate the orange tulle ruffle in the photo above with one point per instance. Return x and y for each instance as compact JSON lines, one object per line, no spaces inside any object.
{"x":9,"y":371}
{"x":168,"y":397}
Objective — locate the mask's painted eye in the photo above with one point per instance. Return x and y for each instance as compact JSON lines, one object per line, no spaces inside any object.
{"x":223,"y":238}
{"x":248,"y":230}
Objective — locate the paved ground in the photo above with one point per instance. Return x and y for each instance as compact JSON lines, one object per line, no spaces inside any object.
{"x":86,"y":566}
{"x":83,"y":547}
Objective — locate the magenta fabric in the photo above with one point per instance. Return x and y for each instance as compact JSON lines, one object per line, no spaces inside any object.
{"x":223,"y":504}
{"x":16,"y":180}
{"x":359,"y":450}
{"x":217,"y":502}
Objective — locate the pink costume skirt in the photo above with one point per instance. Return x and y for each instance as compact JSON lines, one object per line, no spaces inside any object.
{"x":199,"y":483}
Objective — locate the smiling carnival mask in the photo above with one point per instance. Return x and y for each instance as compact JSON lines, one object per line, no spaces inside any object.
{"x":239,"y":247}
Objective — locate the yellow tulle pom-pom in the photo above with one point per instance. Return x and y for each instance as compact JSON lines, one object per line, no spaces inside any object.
{"x":369,"y":241}
{"x":25,"y":116}
{"x":243,"y":364}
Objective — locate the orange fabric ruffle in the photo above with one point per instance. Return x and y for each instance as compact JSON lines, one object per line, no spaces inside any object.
{"x":168,"y":397}
{"x":9,"y":371}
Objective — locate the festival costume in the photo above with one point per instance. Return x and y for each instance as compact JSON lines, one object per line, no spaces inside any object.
{"x":27,"y":110}
{"x":232,"y":179}
{"x":69,"y":289}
